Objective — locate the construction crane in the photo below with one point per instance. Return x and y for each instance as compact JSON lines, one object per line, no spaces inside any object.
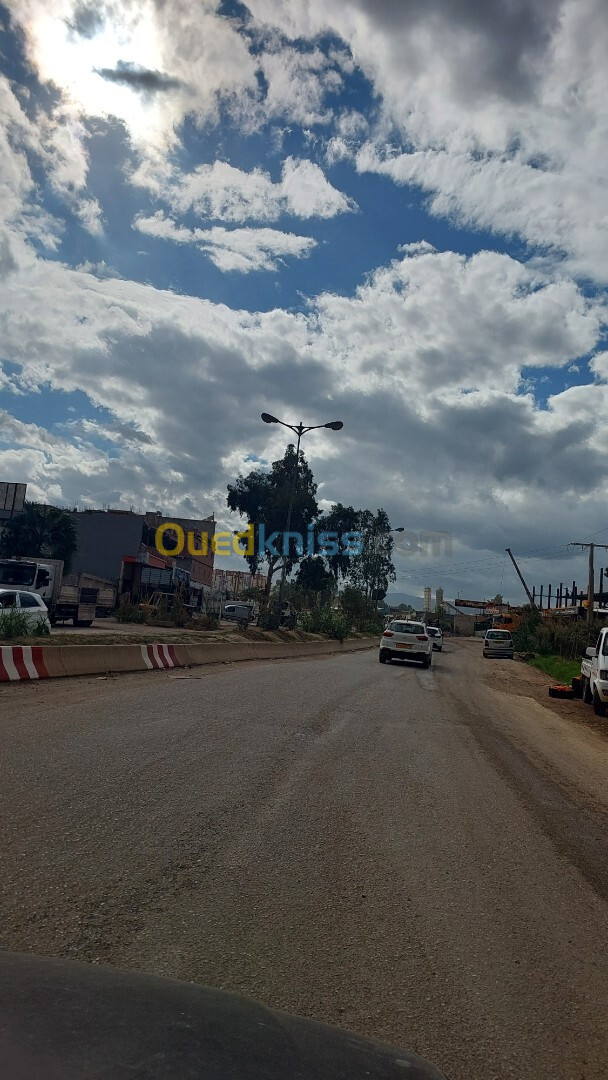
{"x":520,"y":576}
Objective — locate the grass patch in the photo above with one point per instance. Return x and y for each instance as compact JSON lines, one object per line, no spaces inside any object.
{"x":559,"y":669}
{"x":167,"y":637}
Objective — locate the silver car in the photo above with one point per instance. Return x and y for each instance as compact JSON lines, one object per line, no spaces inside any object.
{"x":498,"y":643}
{"x":406,"y":640}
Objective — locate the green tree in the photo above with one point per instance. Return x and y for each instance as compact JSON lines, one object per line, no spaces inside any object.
{"x":339,"y":519}
{"x":252,"y":594}
{"x":40,"y":532}
{"x":262,"y":497}
{"x":315,"y":581}
{"x":354,"y":605}
{"x":372,"y":570}
{"x":295,"y":596}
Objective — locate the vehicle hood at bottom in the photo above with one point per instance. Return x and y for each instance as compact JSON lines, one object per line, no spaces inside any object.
{"x":65,"y":1020}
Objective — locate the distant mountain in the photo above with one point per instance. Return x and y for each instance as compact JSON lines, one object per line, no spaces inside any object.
{"x":395,"y":598}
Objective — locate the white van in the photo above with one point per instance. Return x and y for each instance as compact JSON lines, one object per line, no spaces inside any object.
{"x":239,"y":612}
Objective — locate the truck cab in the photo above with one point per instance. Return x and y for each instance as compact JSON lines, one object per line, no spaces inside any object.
{"x":594,"y":674}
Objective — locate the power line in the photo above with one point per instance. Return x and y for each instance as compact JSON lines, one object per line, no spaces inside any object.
{"x":481,"y":564}
{"x":491,"y":561}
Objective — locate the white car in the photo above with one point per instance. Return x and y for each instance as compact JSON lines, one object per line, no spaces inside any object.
{"x":404,"y":639}
{"x":29,"y":604}
{"x":436,"y":636}
{"x":498,"y":643}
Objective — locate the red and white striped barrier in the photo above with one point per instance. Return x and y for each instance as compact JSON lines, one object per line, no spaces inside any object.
{"x":159,"y":656}
{"x":22,"y":662}
{"x":19,"y":663}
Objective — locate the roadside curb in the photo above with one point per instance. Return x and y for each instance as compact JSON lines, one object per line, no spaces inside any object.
{"x":20,"y":663}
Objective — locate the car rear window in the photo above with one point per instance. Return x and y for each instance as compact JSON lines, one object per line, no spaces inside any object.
{"x":499,"y":635}
{"x":407,"y":628}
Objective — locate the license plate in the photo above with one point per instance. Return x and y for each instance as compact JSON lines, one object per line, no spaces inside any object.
{"x":402,"y":645}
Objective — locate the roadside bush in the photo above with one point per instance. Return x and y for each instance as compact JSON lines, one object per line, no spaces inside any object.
{"x":179,"y":613}
{"x":269,"y":620}
{"x":14,"y":624}
{"x":326,"y":621}
{"x":371,"y":626}
{"x":552,"y":637}
{"x":130,"y":613}
{"x":525,"y":638}
{"x":200,"y":622}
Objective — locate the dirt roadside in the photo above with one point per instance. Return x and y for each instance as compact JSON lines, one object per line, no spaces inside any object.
{"x":562,"y":739}
{"x":522,"y":680}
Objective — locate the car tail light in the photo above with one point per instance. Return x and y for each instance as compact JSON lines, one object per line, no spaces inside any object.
{"x":388,"y":633}
{"x":603,"y":673}
{"x":422,"y":637}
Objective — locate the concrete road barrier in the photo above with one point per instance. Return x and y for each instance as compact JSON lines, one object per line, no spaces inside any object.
{"x":24,"y":662}
{"x":18,"y":662}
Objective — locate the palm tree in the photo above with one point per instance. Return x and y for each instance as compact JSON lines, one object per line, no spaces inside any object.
{"x":40,"y":531}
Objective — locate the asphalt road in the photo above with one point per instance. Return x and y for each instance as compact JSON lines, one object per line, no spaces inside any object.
{"x":412,"y":854}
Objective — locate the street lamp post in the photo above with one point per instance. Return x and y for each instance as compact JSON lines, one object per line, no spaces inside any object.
{"x":299,"y":430}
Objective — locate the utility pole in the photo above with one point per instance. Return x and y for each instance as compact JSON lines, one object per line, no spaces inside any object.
{"x":519,"y":574}
{"x":591,"y":584}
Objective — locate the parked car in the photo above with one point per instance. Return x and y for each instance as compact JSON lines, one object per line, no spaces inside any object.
{"x":405,"y":640}
{"x":241,"y":613}
{"x":29,"y":604}
{"x":498,"y":643}
{"x":594,"y":674}
{"x":436,"y":636}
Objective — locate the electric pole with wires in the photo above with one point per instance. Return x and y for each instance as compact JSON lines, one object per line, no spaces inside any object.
{"x":591,"y":584}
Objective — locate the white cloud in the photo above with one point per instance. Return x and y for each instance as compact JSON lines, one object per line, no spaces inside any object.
{"x":201,"y":55}
{"x":222,"y":192}
{"x":56,"y":142}
{"x":298,"y":84}
{"x":427,"y":353}
{"x":397,"y":357}
{"x":308,"y":194}
{"x":496,"y":111}
{"x":501,"y":109}
{"x":252,"y":249}
{"x":63,"y":148}
{"x":242,"y":250}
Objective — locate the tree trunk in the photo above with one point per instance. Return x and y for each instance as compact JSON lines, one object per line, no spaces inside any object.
{"x":268,"y":586}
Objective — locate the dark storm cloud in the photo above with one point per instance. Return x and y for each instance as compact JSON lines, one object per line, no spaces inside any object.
{"x":87,"y":20}
{"x":8,"y":263}
{"x":507,"y":38}
{"x":138,"y":78}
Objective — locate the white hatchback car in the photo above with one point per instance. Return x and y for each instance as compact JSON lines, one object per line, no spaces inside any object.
{"x":498,"y":643}
{"x":29,"y":604}
{"x":406,"y":640}
{"x":436,"y":636}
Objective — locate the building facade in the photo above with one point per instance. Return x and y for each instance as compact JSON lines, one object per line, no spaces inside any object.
{"x":120,"y":545}
{"x":12,"y":498}
{"x":230,"y":584}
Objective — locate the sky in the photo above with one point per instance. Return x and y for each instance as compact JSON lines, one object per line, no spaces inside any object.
{"x":388,"y":212}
